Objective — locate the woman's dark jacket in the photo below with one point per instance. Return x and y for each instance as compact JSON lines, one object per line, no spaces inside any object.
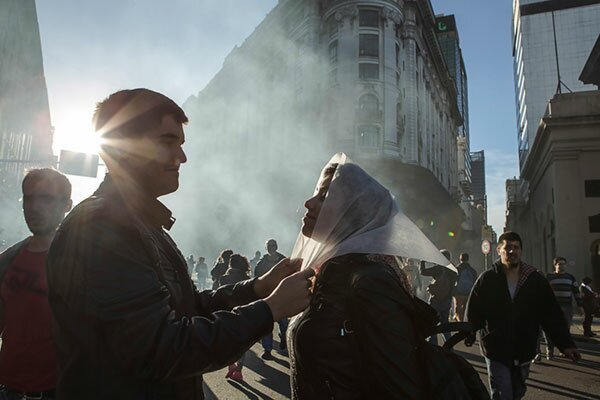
{"x":356,"y":341}
{"x":510,"y":328}
{"x":130,"y":324}
{"x":232,"y":276}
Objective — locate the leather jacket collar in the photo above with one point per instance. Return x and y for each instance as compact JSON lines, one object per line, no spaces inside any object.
{"x":149,"y":210}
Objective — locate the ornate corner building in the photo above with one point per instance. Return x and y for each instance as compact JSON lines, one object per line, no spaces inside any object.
{"x":382,"y":80}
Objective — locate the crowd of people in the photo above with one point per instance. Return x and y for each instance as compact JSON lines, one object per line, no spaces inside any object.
{"x":101,"y":304}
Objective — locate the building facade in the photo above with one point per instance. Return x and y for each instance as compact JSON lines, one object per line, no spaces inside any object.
{"x":551,"y":39}
{"x":478,"y":178}
{"x":555,"y":205}
{"x":316,"y":77}
{"x":25,"y":128}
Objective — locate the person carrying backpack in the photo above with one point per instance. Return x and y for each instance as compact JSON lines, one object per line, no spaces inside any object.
{"x":362,"y":336}
{"x":466,"y":279}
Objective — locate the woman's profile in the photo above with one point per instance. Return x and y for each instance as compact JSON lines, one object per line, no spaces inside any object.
{"x":357,"y":339}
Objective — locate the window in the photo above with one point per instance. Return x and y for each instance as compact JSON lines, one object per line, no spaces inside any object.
{"x":333,"y":76}
{"x":368,"y":136}
{"x":397,"y":55}
{"x":368,"y":71}
{"x":368,"y":45}
{"x":369,"y":103}
{"x":397,"y":79}
{"x":592,"y":188}
{"x":333,"y":47}
{"x":332,"y":25}
{"x":594,"y":222}
{"x":368,"y":18}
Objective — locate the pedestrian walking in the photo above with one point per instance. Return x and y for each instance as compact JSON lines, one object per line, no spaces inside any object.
{"x":267,"y":262}
{"x":255,"y":260}
{"x":237,"y":271}
{"x":464,"y":283}
{"x":220,"y":267}
{"x":565,"y":288}
{"x":201,"y":273}
{"x":508,"y":304}
{"x":440,"y":290}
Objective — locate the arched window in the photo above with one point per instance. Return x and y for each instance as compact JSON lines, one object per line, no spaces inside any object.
{"x":368,"y":136}
{"x":368,"y":103}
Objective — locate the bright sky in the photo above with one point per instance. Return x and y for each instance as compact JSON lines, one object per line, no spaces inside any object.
{"x":93,"y":48}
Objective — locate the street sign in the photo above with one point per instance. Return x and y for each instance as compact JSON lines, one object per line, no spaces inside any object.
{"x":486,"y":247}
{"x":83,"y":164}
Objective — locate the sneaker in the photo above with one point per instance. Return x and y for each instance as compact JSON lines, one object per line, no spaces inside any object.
{"x":537,"y":359}
{"x":266,"y":355}
{"x":232,"y":369}
{"x":237,"y":376}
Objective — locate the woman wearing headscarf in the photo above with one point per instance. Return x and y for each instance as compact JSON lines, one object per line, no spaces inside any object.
{"x":357,"y":339}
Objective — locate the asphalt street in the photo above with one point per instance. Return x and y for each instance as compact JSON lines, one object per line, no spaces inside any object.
{"x":555,"y":379}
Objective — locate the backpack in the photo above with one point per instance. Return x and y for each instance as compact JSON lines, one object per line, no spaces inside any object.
{"x":448,"y":375}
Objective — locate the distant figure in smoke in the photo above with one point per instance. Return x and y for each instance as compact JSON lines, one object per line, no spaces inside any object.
{"x":220,"y":267}
{"x":255,"y":260}
{"x":190,"y":264}
{"x":201,"y":272}
{"x":265,"y":264}
{"x":440,"y":290}
{"x":358,"y":338}
{"x":238,"y":271}
{"x":28,"y":356}
{"x":129,"y":323}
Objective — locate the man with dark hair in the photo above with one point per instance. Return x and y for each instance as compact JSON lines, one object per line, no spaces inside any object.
{"x":27,"y":356}
{"x":565,"y":288}
{"x":508,"y":304}
{"x":130,"y":324}
{"x":464,"y":283}
{"x":267,"y":261}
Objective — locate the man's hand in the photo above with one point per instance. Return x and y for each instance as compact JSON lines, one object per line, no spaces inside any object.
{"x":264,"y":285}
{"x":572,"y":353}
{"x":292,"y":295}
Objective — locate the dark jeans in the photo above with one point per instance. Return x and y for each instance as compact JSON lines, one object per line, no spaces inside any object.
{"x":267,"y":341}
{"x":443,"y":310}
{"x":587,"y":320}
{"x":507,"y":383}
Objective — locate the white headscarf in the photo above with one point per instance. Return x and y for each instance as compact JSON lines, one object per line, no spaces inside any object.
{"x":359,"y":215}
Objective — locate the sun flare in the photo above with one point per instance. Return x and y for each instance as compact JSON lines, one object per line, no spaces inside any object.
{"x":73,"y":131}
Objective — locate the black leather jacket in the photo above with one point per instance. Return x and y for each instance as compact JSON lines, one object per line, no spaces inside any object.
{"x":130,"y":324}
{"x":356,"y":340}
